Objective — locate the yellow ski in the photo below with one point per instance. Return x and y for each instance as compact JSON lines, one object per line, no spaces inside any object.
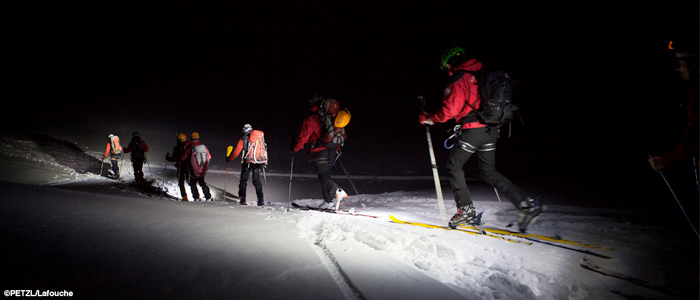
{"x":476,"y":232}
{"x":535,"y":236}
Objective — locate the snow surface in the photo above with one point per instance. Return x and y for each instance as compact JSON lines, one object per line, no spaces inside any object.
{"x":67,"y":228}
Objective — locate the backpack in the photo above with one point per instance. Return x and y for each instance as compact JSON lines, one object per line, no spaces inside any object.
{"x":255,"y":148}
{"x":199,"y":159}
{"x":331,"y":136}
{"x":116,"y":148}
{"x":137,"y":149}
{"x":496,"y":93}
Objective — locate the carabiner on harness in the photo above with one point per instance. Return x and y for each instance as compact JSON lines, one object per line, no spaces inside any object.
{"x":455,"y":134}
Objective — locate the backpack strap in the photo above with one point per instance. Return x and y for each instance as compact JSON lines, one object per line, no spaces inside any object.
{"x":474,"y":115}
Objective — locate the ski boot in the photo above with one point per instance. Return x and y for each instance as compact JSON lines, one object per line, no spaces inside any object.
{"x":327,"y":205}
{"x":261,"y":203}
{"x":184,"y":198}
{"x":340,"y":196}
{"x":528,"y":211}
{"x":464,"y":215}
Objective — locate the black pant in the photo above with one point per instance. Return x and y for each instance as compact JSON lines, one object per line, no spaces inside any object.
{"x":246,"y":169}
{"x":182,"y":176}
{"x":115,"y":164}
{"x":138,"y":168}
{"x":482,"y":142}
{"x":324,"y":162}
{"x":193,"y":187}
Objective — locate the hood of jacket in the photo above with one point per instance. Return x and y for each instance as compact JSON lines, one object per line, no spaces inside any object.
{"x":470,"y":65}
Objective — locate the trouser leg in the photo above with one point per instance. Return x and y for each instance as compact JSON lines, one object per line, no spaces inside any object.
{"x":205,"y":187}
{"x":245,"y":173}
{"x":455,"y":171}
{"x":181,"y":177}
{"x":324,"y":162}
{"x":257,"y":183}
{"x":193,"y":188}
{"x":487,"y":168}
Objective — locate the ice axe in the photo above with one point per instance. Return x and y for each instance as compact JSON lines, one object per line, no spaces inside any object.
{"x":229,"y":149}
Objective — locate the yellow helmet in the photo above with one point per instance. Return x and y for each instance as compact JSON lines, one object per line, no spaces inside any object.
{"x":195,"y":135}
{"x":342,"y":118}
{"x":181,"y":137}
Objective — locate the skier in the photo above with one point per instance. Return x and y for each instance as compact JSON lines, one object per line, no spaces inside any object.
{"x":475,"y":138}
{"x":679,"y":146}
{"x":253,"y":152}
{"x":197,"y":159}
{"x":687,"y":147}
{"x":114,"y":151}
{"x":325,"y":141}
{"x":180,"y":164}
{"x":138,"y":148}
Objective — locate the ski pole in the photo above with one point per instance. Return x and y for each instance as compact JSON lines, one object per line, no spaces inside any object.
{"x":695,"y":167}
{"x":149,"y":165}
{"x":228,"y":153}
{"x":102,"y":162}
{"x":502,"y":209}
{"x":291,"y":174}
{"x":677,"y":201}
{"x":436,"y":176}
{"x":165,"y":168}
{"x":679,"y":204}
{"x":225,"y":183}
{"x":267,"y":189}
{"x":349,"y":179}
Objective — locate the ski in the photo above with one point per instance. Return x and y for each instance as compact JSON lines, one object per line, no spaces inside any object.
{"x":589,"y":264}
{"x":470,"y":231}
{"x":536,"y":237}
{"x":332,"y":211}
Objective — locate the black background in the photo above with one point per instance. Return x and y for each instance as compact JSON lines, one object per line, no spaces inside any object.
{"x":595,"y":78}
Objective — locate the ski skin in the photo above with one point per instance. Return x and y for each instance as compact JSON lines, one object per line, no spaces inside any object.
{"x":536,"y":237}
{"x":332,"y":211}
{"x":395,"y":220}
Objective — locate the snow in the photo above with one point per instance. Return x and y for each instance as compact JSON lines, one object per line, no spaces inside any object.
{"x":67,"y":228}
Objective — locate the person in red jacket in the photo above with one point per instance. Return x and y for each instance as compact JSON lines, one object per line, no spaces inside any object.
{"x":249,"y":163}
{"x":180,"y":164}
{"x":459,"y":97}
{"x":138,"y":148}
{"x":197,"y":159}
{"x":324,"y":147}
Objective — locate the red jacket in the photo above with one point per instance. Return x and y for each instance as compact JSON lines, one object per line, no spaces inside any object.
{"x":143,"y":146}
{"x":310,"y":132}
{"x":457,"y":94}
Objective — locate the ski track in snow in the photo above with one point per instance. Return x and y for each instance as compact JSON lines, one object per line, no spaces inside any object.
{"x":479,"y":265}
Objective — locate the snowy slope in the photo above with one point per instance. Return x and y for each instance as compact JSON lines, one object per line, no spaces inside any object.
{"x":68,"y":228}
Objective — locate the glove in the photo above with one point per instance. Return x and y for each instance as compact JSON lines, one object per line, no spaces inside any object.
{"x":657,"y":163}
{"x":168,"y":157}
{"x":424,"y":119}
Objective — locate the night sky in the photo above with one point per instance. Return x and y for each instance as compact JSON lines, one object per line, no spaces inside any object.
{"x":594,"y":76}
